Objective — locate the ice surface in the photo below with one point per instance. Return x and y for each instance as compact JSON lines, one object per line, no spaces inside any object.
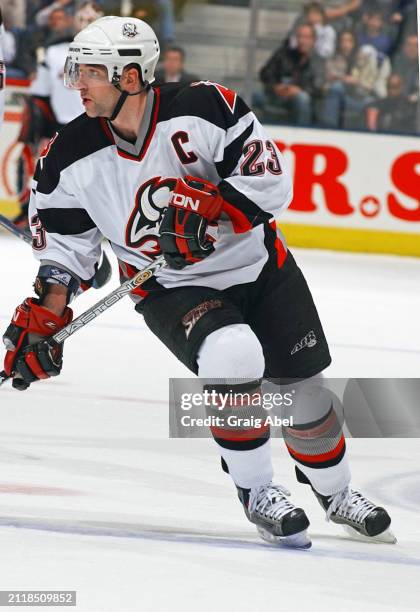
{"x":95,"y":498}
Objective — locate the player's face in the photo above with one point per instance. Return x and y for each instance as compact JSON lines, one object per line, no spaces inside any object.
{"x":98,"y":95}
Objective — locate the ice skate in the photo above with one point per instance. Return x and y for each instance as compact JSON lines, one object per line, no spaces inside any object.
{"x":360,"y":518}
{"x":277,"y":520}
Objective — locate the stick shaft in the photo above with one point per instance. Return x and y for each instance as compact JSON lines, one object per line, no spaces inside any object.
{"x":109,"y":300}
{"x":11,"y":227}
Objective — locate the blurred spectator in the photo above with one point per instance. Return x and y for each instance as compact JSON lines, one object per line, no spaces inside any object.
{"x":384,"y":7}
{"x":340,"y":66}
{"x":294,"y":78}
{"x":14,"y":13}
{"x":21,"y":48}
{"x":43,"y":16}
{"x":370,"y":72}
{"x":64,"y":104}
{"x":50,"y":104}
{"x":314,"y":14}
{"x":172,"y":70}
{"x":405,"y":14}
{"x":29,"y":43}
{"x":342,"y":16}
{"x":86,"y":13}
{"x":33,"y":7}
{"x":60,"y":26}
{"x":406,"y":63}
{"x":145,"y":10}
{"x":9,"y":47}
{"x":374,"y":31}
{"x":160,"y":15}
{"x":395,"y":113}
{"x":350,"y":13}
{"x":355,"y":91}
{"x":399,"y":18}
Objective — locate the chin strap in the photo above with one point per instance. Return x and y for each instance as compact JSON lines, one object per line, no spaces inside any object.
{"x":123,"y":97}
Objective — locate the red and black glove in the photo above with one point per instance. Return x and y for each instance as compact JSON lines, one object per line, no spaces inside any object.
{"x":194,"y":207}
{"x":29,"y":356}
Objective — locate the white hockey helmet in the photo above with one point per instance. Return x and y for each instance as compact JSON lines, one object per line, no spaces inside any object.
{"x":114,"y":42}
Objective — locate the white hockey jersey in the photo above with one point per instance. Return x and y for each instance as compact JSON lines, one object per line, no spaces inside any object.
{"x":66,"y":103}
{"x":91,"y":184}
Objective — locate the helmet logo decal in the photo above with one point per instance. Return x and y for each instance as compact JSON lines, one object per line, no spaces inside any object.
{"x":129,"y":30}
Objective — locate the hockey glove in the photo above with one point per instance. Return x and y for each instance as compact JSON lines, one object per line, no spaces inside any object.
{"x":187,"y":230}
{"x":29,"y":357}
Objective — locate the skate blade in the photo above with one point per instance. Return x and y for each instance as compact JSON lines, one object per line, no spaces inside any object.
{"x":386,"y":537}
{"x":299,"y":540}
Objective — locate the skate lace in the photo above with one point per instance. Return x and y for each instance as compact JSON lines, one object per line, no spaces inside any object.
{"x":270,"y":501}
{"x":349,"y":504}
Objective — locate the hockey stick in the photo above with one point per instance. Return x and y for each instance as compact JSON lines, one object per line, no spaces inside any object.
{"x":11,"y":227}
{"x":97,"y":309}
{"x":102,"y":274}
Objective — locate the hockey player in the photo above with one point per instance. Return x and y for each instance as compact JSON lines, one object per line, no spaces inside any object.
{"x":64,"y":104}
{"x":156,"y":170}
{"x":50,"y":104}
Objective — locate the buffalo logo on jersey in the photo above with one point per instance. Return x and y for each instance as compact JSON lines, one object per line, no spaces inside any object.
{"x":142,"y":231}
{"x":129,"y":30}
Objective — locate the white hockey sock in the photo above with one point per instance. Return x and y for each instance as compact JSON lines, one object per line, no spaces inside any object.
{"x":329,"y":480}
{"x":316,"y":442}
{"x":249,"y":468}
{"x":232,"y":355}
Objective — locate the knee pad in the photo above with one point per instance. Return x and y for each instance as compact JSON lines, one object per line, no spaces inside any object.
{"x":312,"y":399}
{"x":233,"y":351}
{"x":231,"y":363}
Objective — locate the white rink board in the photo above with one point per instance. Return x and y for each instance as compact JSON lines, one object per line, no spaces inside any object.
{"x":370,"y":169}
{"x":352,"y":180}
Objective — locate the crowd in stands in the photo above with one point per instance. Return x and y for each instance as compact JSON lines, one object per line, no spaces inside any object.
{"x":352,"y":65}
{"x":33,"y":25}
{"x":344,"y":64}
